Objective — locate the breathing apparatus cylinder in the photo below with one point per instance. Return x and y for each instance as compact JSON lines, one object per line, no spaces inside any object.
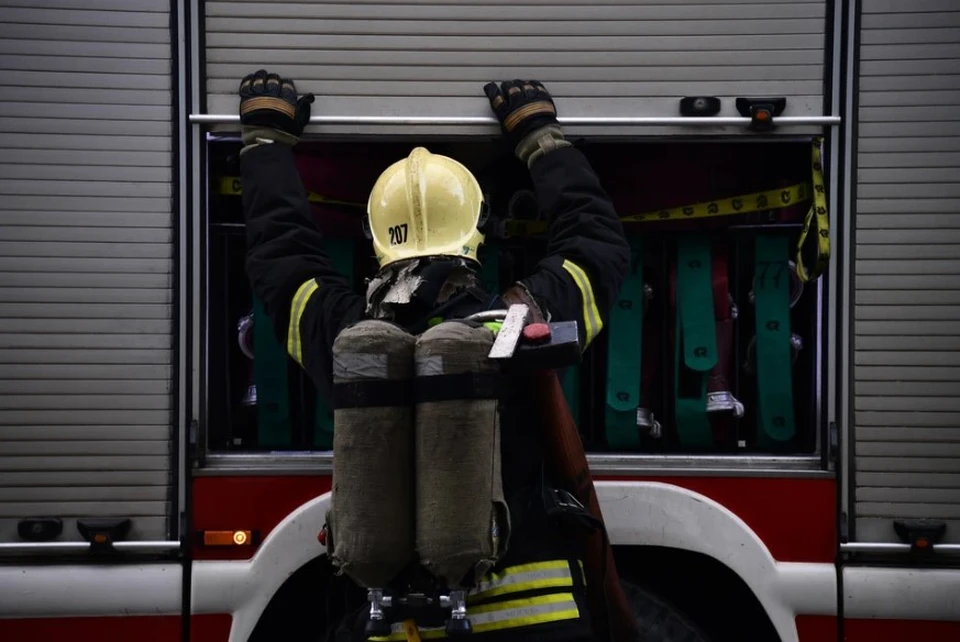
{"x":370,"y":523}
{"x":462,"y":521}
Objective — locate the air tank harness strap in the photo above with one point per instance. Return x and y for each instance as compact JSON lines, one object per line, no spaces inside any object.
{"x":624,"y":355}
{"x":773,"y":352}
{"x":367,"y":386}
{"x":695,"y":340}
{"x":543,"y":502}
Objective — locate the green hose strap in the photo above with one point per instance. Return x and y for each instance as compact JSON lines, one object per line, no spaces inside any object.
{"x":340,"y":253}
{"x":696,"y":338}
{"x":270,"y":375}
{"x":625,"y":340}
{"x":774,"y":367}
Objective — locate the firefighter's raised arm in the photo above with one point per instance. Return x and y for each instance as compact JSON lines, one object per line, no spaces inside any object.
{"x":587,"y":255}
{"x":306,"y":298}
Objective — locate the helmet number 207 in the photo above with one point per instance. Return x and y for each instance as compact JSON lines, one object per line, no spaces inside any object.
{"x":398,"y":234}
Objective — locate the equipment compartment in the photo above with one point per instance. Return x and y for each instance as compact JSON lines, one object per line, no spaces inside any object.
{"x":722,"y":212}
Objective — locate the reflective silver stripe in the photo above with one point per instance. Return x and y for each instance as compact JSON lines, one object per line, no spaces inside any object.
{"x":429,"y":366}
{"x":523,"y":612}
{"x":297,"y":306}
{"x":359,"y":365}
{"x":524,"y":578}
{"x":591,"y":314}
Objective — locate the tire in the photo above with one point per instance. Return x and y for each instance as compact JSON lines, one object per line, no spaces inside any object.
{"x":659,"y":621}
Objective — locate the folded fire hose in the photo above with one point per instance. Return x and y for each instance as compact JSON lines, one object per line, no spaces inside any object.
{"x":624,"y":356}
{"x":772,"y":302}
{"x":810,"y":257}
{"x":695,"y":340}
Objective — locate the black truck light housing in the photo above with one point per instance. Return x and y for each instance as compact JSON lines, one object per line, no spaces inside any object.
{"x":761,"y":111}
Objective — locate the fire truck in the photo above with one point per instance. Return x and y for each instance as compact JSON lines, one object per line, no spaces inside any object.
{"x":788,"y":173}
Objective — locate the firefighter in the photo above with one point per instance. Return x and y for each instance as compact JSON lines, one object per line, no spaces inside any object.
{"x":579,"y":277}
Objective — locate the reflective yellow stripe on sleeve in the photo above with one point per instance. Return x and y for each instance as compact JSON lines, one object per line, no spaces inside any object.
{"x":591,"y":315}
{"x":299,"y":304}
{"x":523,"y":577}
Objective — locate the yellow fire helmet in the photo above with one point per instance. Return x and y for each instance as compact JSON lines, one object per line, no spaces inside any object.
{"x":425,"y":205}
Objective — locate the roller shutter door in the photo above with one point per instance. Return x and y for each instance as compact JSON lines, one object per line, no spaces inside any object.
{"x":86,"y":247}
{"x":907,"y":272}
{"x":384,"y":57}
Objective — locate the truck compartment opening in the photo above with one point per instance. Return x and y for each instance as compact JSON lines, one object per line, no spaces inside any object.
{"x":712,"y":348}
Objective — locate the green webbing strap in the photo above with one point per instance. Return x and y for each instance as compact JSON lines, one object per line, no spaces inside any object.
{"x":625,"y":339}
{"x":772,"y":304}
{"x":340,"y":253}
{"x":270,"y":376}
{"x":696,"y":338}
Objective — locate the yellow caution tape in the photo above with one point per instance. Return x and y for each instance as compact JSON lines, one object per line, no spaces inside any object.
{"x":743,"y":204}
{"x":818,"y":217}
{"x":735,"y":205}
{"x":230,"y":186}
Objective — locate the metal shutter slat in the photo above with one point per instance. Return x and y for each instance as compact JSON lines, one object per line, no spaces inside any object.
{"x":86,"y":247}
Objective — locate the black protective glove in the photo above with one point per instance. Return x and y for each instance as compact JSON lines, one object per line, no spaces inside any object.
{"x":528,"y":117}
{"x":270,"y":109}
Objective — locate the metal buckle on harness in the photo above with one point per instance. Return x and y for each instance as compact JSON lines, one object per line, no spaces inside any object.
{"x":562,"y":505}
{"x":646,"y":420}
{"x":378,"y":625}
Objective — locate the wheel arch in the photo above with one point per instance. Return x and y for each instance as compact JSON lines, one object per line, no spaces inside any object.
{"x":642,"y":518}
{"x":708,"y":602}
{"x":685,"y":535}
